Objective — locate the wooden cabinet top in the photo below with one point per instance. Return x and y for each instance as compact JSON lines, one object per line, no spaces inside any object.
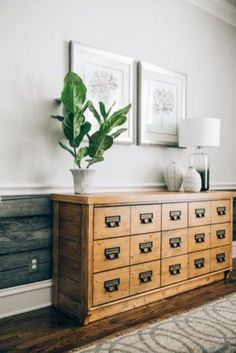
{"x":141,"y":197}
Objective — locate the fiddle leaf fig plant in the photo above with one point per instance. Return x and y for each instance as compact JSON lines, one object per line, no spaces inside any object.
{"x":76,"y":127}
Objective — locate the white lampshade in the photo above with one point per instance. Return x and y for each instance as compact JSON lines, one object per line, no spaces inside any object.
{"x":199,"y":132}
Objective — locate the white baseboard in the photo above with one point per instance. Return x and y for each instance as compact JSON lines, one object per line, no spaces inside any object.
{"x":18,"y":300}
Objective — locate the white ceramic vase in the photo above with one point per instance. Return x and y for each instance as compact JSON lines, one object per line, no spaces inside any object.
{"x":173,"y":176}
{"x":83,"y":180}
{"x":192,"y":181}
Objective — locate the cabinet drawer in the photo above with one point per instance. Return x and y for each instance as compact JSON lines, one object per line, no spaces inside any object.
{"x":174,"y":270}
{"x":221,"y":234}
{"x":199,"y":213}
{"x":110,"y":253}
{"x":110,"y":285}
{"x":221,"y":258}
{"x":145,"y":247}
{"x":145,"y":219}
{"x":221,"y":211}
{"x":174,"y":243}
{"x":199,"y":263}
{"x":144,"y":277}
{"x":111,"y":222}
{"x":174,"y":216}
{"x":199,"y":238}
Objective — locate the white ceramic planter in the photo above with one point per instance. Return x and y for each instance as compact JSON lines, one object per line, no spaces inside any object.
{"x":192,"y":181}
{"x":173,"y":176}
{"x":83,"y":180}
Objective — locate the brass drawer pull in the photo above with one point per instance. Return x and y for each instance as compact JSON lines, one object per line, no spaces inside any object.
{"x":200,"y":212}
{"x":220,"y":257}
{"x":220,"y":234}
{"x":145,"y":277}
{"x":175,"y":269}
{"x":221,"y":211}
{"x":146,"y":247}
{"x":112,"y":253}
{"x":146,"y":218}
{"x":175,"y":242}
{"x":112,"y":285}
{"x":112,"y":221}
{"x":200,"y":238}
{"x":175,"y":215}
{"x":199,"y":263}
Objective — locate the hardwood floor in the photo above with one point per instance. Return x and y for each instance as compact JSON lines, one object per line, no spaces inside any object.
{"x":47,"y":330}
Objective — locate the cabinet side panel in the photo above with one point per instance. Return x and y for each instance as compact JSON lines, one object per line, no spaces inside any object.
{"x":55,"y":247}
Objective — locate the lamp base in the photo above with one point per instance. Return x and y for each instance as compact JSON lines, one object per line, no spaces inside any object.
{"x":199,"y":160}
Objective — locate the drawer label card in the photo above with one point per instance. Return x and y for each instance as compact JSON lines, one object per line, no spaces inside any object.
{"x":200,"y":212}
{"x":112,"y":285}
{"x":200,"y":237}
{"x":220,"y":234}
{"x":221,"y":211}
{"x":146,"y":218}
{"x":146,"y":247}
{"x":199,"y":263}
{"x":112,"y":253}
{"x":175,"y":242}
{"x":112,"y":221}
{"x":175,"y":269}
{"x":175,"y":215}
{"x":220,"y":257}
{"x":145,"y":276}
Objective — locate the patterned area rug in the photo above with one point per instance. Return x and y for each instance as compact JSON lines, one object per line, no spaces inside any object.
{"x":207,"y":329}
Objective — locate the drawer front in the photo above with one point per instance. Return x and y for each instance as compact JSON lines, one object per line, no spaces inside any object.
{"x":174,"y":270}
{"x":174,"y":242}
{"x":145,"y":247}
{"x":174,"y":216}
{"x":110,"y":253}
{"x":221,"y":258}
{"x":111,"y":222}
{"x":199,"y":213}
{"x":221,"y":211}
{"x":199,"y":238}
{"x":199,"y":263}
{"x":145,"y":219}
{"x":110,"y":285}
{"x":221,"y":234}
{"x":144,"y":277}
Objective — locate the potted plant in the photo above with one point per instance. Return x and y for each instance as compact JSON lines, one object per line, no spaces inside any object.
{"x":76,"y":128}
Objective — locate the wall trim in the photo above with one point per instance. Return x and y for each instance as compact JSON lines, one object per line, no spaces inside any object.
{"x":234,"y":249}
{"x":221,"y":9}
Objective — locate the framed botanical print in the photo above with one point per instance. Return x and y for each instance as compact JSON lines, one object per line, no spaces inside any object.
{"x":109,"y":78}
{"x":161,"y":104}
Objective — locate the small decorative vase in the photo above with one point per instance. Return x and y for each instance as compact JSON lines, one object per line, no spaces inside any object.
{"x":83,"y":180}
{"x":192,"y":181}
{"x":173,"y":176}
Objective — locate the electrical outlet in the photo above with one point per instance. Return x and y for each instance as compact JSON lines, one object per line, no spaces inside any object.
{"x":33,"y":264}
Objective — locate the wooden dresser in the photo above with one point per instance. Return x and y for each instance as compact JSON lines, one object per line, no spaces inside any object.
{"x":116,"y":252}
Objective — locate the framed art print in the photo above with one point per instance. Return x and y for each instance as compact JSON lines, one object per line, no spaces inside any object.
{"x":161,"y":104}
{"x":109,"y":78}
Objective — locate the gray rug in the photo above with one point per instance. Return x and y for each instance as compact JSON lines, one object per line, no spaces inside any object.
{"x":207,"y":329}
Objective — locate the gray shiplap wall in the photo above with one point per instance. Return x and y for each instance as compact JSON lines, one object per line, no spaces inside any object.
{"x":25,"y":233}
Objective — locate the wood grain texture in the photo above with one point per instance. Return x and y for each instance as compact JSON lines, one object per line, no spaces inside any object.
{"x":138,"y":226}
{"x":221,"y":234}
{"x":167,"y":277}
{"x":145,"y":247}
{"x":169,"y":239}
{"x":194,"y":211}
{"x":25,"y":206}
{"x":223,"y":250}
{"x":168,"y":223}
{"x":193,"y":261}
{"x":150,"y":268}
{"x":215,"y":206}
{"x":199,"y":238}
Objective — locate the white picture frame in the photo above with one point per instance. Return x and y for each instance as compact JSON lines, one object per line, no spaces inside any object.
{"x":161,"y":104}
{"x":108,"y":77}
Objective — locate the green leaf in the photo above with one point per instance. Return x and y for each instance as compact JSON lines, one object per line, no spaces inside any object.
{"x":58,"y":117}
{"x":95,"y":113}
{"x":98,"y":144}
{"x":122,"y":111}
{"x":73,"y":95}
{"x":103,"y":110}
{"x":83,"y":152}
{"x":113,"y":122}
{"x":71,"y":127}
{"x":117,"y":133}
{"x":109,"y":110}
{"x":67,"y":149}
{"x":84,"y":130}
{"x":92,"y":161}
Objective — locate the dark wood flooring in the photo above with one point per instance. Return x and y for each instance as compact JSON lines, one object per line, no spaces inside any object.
{"x":47,"y":330}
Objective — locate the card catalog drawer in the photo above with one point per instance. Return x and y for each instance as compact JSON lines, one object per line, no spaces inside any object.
{"x":144,"y":277}
{"x":221,"y":234}
{"x":111,"y":222}
{"x":110,"y":285}
{"x":174,"y":216}
{"x":110,"y":253}
{"x":221,"y":258}
{"x":199,"y":263}
{"x":145,"y":219}
{"x":199,"y":213}
{"x":199,"y":238}
{"x":174,"y":269}
{"x":174,"y":243}
{"x":221,"y":211}
{"x":145,"y":247}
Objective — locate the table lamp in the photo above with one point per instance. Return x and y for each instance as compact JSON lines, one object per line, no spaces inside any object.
{"x":200,"y":133}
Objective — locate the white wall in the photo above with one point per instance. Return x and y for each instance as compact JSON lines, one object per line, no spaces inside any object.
{"x":34,"y":38}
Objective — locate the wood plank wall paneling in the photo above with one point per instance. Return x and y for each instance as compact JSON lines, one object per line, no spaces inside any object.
{"x":25,"y":233}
